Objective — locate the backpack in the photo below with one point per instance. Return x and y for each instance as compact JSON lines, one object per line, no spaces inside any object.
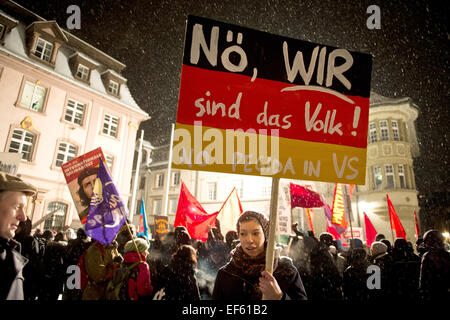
{"x":84,"y":278}
{"x":117,"y":288}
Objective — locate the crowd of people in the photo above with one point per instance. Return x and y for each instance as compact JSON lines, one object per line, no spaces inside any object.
{"x":70,"y":266}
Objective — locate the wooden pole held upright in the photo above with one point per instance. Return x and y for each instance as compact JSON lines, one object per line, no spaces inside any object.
{"x":270,"y":250}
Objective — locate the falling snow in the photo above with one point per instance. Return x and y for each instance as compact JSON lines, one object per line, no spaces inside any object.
{"x":410,"y":53}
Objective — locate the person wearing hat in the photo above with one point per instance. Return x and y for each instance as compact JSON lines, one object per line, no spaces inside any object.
{"x":13,"y":203}
{"x":245,"y":277}
{"x":139,"y":283}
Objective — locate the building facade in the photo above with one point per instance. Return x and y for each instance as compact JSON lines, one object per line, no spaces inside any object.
{"x":60,"y":98}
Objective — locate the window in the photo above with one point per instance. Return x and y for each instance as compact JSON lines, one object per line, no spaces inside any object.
{"x":372,"y":132}
{"x":384,"y":130}
{"x":176,"y":179}
{"x":58,"y":219}
{"x":159,"y":180}
{"x":74,"y":112}
{"x":43,"y":50}
{"x":66,"y":152}
{"x":157,"y":206}
{"x":113,"y":87}
{"x":83,"y":72}
{"x":110,"y":125}
{"x":401,"y":176}
{"x":390,"y":182}
{"x":395,"y":130}
{"x":212,"y":191}
{"x":33,"y":96}
{"x":173,"y":206}
{"x":377,"y":178}
{"x":109,"y":161}
{"x":22,"y":141}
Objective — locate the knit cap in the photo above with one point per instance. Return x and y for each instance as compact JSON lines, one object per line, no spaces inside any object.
{"x":141,"y":244}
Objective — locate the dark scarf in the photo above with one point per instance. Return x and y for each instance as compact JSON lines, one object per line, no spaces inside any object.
{"x":250,"y":267}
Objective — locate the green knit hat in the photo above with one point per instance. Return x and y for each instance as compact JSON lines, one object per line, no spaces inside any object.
{"x":141,"y":244}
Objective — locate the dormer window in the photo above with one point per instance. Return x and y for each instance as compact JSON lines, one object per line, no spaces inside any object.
{"x":43,"y":50}
{"x":83,"y":72}
{"x":81,"y":66}
{"x":113,"y":88}
{"x":44,"y":38}
{"x":112,"y":82}
{"x":7,"y":23}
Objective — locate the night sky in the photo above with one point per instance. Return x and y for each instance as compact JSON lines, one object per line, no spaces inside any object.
{"x":410,"y":53}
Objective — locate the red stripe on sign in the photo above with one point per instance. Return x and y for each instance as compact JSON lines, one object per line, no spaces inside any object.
{"x":233,"y":101}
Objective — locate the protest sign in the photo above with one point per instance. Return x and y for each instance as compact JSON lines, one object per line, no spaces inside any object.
{"x":80,"y":174}
{"x":255,"y":103}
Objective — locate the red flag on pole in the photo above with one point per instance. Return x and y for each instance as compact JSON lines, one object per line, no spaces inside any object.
{"x":191,"y":214}
{"x":417,"y":225}
{"x":395,"y":221}
{"x":304,"y":198}
{"x":371,"y":233}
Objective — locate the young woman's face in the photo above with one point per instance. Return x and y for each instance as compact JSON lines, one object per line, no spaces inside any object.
{"x":252,"y":238}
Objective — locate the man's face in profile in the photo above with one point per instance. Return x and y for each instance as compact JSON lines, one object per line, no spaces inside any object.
{"x":88,"y":185}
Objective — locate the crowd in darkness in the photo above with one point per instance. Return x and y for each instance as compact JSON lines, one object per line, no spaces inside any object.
{"x":182,"y":268}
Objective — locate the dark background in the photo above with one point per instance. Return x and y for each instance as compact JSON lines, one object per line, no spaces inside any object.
{"x":410,"y":58}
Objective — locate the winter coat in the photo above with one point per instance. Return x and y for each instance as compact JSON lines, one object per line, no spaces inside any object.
{"x":232,"y":284}
{"x":434,"y":282}
{"x":179,"y":283}
{"x":11,"y":267}
{"x":139,"y":284}
{"x":100,"y":269}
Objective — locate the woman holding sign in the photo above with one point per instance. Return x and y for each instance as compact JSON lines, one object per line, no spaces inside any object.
{"x":244,"y":277}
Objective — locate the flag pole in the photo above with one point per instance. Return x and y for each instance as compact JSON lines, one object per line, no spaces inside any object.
{"x":169,"y":166}
{"x":272,"y":226}
{"x":136,"y":176}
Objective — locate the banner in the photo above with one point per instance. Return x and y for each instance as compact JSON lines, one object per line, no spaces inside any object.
{"x":304,"y":197}
{"x":255,"y":103}
{"x":161,"y":227}
{"x":107,"y":213}
{"x":9,"y":162}
{"x":284,"y":211}
{"x":80,"y":174}
{"x":338,"y":207}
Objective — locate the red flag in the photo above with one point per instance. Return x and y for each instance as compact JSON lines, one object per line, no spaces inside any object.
{"x":191,"y":214}
{"x":230,"y":211}
{"x":338,"y":208}
{"x":417,"y":225}
{"x":304,"y":198}
{"x":395,"y":221}
{"x":370,"y":230}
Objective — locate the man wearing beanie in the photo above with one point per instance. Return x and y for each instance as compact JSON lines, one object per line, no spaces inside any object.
{"x":13,"y":202}
{"x":245,"y":277}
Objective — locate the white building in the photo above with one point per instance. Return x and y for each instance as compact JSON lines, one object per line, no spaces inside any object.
{"x":60,"y":98}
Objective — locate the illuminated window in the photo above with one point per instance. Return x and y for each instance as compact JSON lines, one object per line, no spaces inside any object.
{"x":33,"y":96}
{"x":390,"y":181}
{"x":401,"y":176}
{"x":377,"y":178}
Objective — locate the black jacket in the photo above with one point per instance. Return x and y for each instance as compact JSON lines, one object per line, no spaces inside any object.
{"x":231,"y":284}
{"x":11,"y":267}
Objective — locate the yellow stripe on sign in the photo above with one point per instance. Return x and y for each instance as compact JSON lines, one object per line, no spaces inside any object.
{"x":255,"y":153}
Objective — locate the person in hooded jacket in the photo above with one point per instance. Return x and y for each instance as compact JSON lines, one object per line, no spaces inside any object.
{"x":177,"y":280}
{"x":245,"y":277}
{"x":434,"y":280}
{"x":355,"y":276}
